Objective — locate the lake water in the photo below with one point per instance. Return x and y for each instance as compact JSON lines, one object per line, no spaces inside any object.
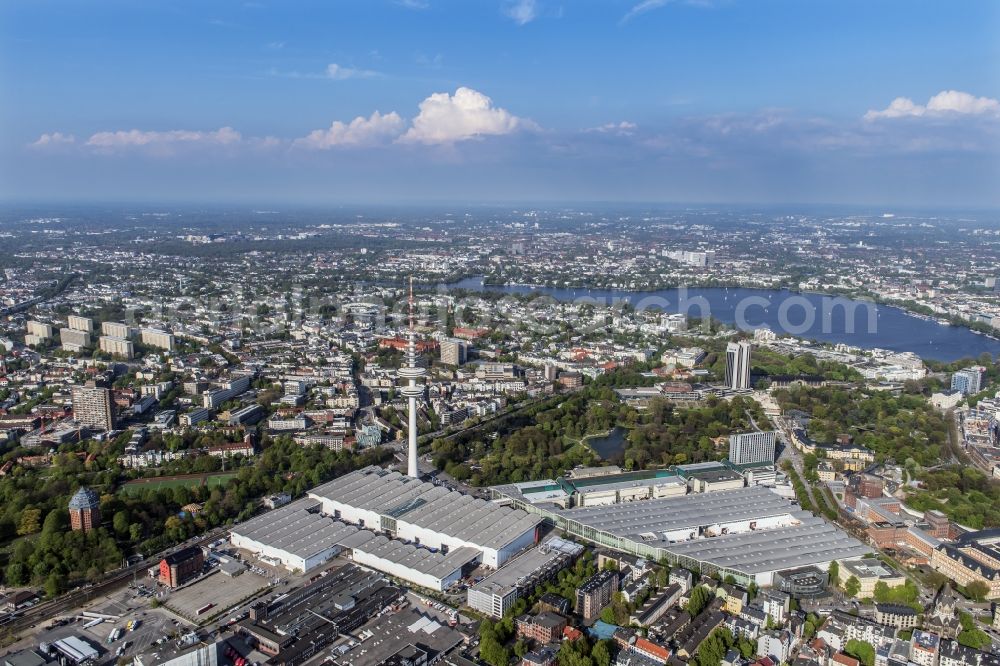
{"x":813,"y":316}
{"x":611,"y":446}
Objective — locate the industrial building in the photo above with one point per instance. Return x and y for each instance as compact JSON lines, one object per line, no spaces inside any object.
{"x":600,"y":486}
{"x":498,"y":592}
{"x":306,"y":533}
{"x":294,"y":627}
{"x":301,"y":538}
{"x":429,"y":515}
{"x":749,"y":533}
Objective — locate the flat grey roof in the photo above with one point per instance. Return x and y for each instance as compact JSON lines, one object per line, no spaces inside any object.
{"x":614,"y":484}
{"x":692,"y":511}
{"x":812,"y":542}
{"x":431,"y":507}
{"x":297,"y":528}
{"x":439,"y":565}
{"x":521,"y":568}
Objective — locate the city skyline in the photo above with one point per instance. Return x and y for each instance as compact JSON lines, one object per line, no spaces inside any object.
{"x":731,"y":102}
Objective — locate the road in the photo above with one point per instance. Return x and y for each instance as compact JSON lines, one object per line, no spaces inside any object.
{"x":791,"y":454}
{"x":513,"y":410}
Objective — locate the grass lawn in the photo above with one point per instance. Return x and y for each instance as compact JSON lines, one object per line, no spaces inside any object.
{"x":212,"y":480}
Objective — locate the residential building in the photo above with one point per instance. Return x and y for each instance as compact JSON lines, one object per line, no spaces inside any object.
{"x":84,"y":324}
{"x":157,"y":338}
{"x":73,"y":340}
{"x":116,"y":346}
{"x":454,"y":351}
{"x":92,"y":406}
{"x":896,"y":615}
{"x":924,"y":648}
{"x":752,"y":447}
{"x":738,"y":364}
{"x":114,"y":329}
{"x":968,"y":381}
{"x":194,"y":417}
{"x":546,"y":627}
{"x":596,"y":593}
{"x":40,"y":330}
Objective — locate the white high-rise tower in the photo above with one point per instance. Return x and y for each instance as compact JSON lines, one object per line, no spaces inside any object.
{"x":412,"y":371}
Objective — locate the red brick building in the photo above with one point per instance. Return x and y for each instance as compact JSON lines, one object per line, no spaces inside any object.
{"x":545,"y":627}
{"x":84,"y":510}
{"x":177,"y":568}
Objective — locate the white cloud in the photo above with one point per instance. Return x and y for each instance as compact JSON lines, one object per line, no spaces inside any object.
{"x":53,"y":140}
{"x":126,"y":139}
{"x":642,"y":8}
{"x":413,"y":4}
{"x":650,"y":5}
{"x":467,"y":114}
{"x":361,"y":131}
{"x":624,"y":128}
{"x":944,"y":103}
{"x":521,"y":11}
{"x":341,"y":73}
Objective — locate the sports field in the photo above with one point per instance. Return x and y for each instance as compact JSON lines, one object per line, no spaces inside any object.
{"x":211,"y":480}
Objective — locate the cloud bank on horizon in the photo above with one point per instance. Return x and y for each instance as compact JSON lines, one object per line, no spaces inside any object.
{"x":657,"y":99}
{"x":467,"y":114}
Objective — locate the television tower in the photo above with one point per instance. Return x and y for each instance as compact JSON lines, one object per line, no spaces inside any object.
{"x":412,"y":371}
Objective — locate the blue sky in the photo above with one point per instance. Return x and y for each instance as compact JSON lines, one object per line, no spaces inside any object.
{"x":355,"y":101}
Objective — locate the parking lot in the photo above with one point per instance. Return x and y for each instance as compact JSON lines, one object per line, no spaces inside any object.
{"x":153,"y":626}
{"x":219,"y":591}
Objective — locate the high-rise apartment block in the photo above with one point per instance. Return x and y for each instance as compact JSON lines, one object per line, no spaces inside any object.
{"x":738,"y":364}
{"x":752,"y":447}
{"x":80,"y":323}
{"x":92,"y":406}
{"x":968,"y":381}
{"x":40,"y":329}
{"x":159,"y":339}
{"x":73,"y":340}
{"x":596,"y":593}
{"x":117,"y":346}
{"x":114,"y":329}
{"x":454,"y":351}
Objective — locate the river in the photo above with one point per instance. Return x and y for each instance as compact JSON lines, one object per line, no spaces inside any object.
{"x":812,"y":316}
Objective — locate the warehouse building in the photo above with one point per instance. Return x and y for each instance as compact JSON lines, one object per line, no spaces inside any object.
{"x":420,"y":566}
{"x":296,"y":535}
{"x":428,"y":515}
{"x":498,"y":592}
{"x":600,"y":486}
{"x":749,"y":533}
{"x":300,"y":537}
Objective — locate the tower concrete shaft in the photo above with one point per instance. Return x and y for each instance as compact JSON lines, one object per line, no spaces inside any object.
{"x":412,"y":371}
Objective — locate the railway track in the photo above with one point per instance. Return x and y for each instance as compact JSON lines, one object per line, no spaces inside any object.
{"x":47,"y":610}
